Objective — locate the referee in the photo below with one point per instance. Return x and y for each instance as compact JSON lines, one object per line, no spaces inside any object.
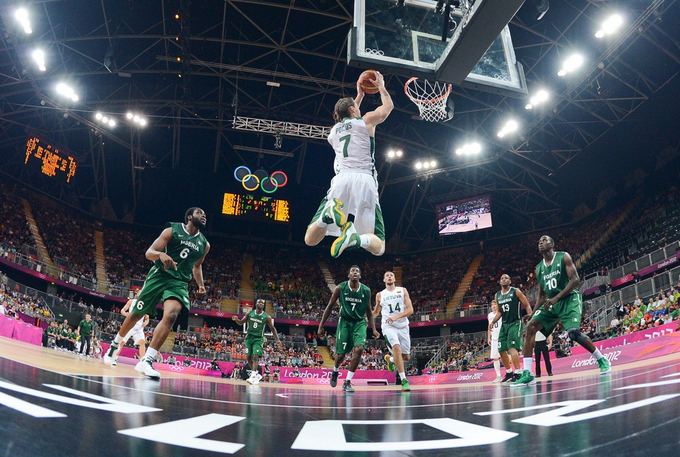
{"x":542,"y":346}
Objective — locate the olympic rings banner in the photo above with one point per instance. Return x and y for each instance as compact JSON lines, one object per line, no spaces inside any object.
{"x":260,"y":179}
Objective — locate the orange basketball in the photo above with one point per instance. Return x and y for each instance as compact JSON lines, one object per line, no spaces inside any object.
{"x":365,"y":81}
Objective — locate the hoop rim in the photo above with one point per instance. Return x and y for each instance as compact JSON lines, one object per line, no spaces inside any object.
{"x":432,"y":101}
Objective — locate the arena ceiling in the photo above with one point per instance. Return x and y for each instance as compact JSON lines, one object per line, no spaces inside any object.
{"x":192,"y":73}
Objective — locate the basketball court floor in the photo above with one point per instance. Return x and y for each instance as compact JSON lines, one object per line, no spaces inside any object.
{"x":55,"y":404}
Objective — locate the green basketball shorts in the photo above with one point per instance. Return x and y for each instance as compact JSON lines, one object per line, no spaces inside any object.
{"x":510,"y":336}
{"x":568,"y":311}
{"x":350,"y":334}
{"x":157,"y":289}
{"x":254,"y":346}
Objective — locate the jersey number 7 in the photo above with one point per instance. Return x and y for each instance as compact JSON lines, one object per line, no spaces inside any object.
{"x":345,"y":139}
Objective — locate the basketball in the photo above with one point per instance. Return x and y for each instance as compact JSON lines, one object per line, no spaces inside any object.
{"x":366,"y":82}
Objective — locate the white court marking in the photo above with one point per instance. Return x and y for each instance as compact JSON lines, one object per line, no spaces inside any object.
{"x":363,"y":407}
{"x":608,"y":379}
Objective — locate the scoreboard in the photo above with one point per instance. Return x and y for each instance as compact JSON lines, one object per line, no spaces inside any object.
{"x":53,"y":159}
{"x":247,"y":206}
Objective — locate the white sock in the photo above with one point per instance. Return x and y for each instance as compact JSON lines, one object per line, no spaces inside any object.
{"x":497,"y":367}
{"x":335,"y":369}
{"x":527,"y":363}
{"x":350,"y":375}
{"x":391,"y":359}
{"x":510,"y":370}
{"x":365,"y":241}
{"x":150,"y":354}
{"x":402,"y":375}
{"x":117,"y":339}
{"x":598,"y":355}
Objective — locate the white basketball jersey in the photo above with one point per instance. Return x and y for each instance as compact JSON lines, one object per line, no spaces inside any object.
{"x":496,"y":329}
{"x":392,"y":303}
{"x":354,"y":147}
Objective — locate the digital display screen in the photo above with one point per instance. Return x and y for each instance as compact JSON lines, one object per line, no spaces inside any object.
{"x":53,"y":159}
{"x":251,"y":207}
{"x":464,"y":215}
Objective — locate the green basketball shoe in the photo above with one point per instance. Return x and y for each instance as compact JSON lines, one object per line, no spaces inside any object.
{"x":605,"y":366}
{"x":524,"y":380}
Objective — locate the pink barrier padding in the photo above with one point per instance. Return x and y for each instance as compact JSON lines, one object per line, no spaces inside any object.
{"x":27,"y":333}
{"x":174,"y":368}
{"x":323,"y":376}
{"x":641,"y":350}
{"x":641,"y":335}
{"x":20,"y":330}
{"x":6,"y":327}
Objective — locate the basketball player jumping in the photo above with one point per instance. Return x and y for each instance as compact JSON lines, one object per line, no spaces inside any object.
{"x":177,"y":254}
{"x":354,"y":189}
{"x":394,"y":303}
{"x":350,"y":337}
{"x":254,"y":341}
{"x":137,"y":333}
{"x":558,"y":301}
{"x":492,"y":338}
{"x":510,"y":302}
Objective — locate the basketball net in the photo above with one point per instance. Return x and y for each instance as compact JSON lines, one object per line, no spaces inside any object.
{"x":430,"y":98}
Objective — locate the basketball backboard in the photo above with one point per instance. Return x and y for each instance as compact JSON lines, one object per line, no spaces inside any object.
{"x":405,"y":36}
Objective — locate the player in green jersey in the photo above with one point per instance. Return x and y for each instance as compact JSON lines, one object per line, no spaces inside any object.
{"x":510,"y":301}
{"x":256,"y":320}
{"x":178,"y":255}
{"x":558,"y":301}
{"x":355,"y":310}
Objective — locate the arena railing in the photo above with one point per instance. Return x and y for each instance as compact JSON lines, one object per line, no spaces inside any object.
{"x":646,"y":288}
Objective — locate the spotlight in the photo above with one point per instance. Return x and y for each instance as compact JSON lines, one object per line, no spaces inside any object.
{"x":67,"y":91}
{"x":610,"y":26}
{"x":22,"y":17}
{"x":112,"y":123}
{"x":571,"y":64}
{"x":179,"y":59}
{"x":105,"y":119}
{"x":38,"y":57}
{"x":469,"y":149}
{"x":433,"y":164}
{"x":541,"y":96}
{"x":418,"y":165}
{"x":177,"y":16}
{"x":98,"y":116}
{"x":136,"y":118}
{"x":391,"y":154}
{"x":399,"y":153}
{"x":510,"y":126}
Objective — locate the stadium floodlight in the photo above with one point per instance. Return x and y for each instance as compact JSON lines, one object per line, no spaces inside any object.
{"x":38,"y":57}
{"x":571,"y":64}
{"x":541,"y":96}
{"x":469,"y":149}
{"x":399,"y":153}
{"x":66,"y":91}
{"x":106,"y":120}
{"x":610,"y":26}
{"x":418,"y":165}
{"x":391,"y":154}
{"x":510,"y":126}
{"x":433,"y":164}
{"x":22,"y":17}
{"x":137,"y":119}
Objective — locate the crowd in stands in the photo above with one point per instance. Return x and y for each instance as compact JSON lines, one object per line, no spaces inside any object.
{"x":14,"y":232}
{"x":658,"y":310}
{"x":652,"y":225}
{"x":124,"y":251}
{"x":69,"y":238}
{"x":291,"y":279}
{"x":13,"y":302}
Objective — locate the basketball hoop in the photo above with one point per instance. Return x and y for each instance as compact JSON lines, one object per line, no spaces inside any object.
{"x":429,"y":97}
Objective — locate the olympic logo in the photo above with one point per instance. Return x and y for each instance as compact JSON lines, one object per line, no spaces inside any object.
{"x":267,"y":183}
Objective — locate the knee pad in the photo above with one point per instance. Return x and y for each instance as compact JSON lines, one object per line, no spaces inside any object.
{"x":576,"y":335}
